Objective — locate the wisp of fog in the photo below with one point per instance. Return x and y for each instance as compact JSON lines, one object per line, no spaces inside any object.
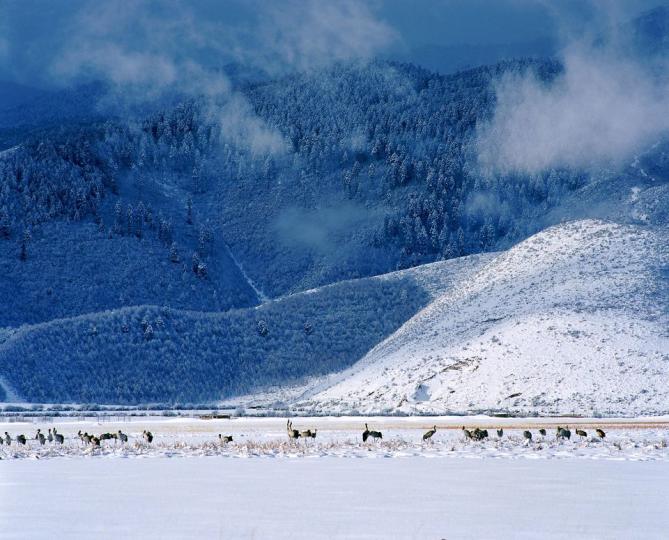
{"x":600,"y":111}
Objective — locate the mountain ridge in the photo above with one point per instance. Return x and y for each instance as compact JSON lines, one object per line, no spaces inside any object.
{"x":417,"y":350}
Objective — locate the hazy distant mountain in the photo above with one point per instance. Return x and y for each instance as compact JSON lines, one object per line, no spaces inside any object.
{"x":13,"y":94}
{"x":449,"y":59}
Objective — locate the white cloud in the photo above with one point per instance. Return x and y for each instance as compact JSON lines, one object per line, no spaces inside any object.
{"x":143,"y":54}
{"x":241,"y":126}
{"x":599,"y":112}
{"x":144,"y":49}
{"x":309,"y":34}
{"x":129,"y":44}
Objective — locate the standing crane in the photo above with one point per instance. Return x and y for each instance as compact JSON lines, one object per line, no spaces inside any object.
{"x":292,"y":433}
{"x":428,"y":434}
{"x":370,"y":433}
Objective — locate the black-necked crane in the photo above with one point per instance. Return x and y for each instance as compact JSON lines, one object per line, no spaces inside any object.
{"x":49,"y":437}
{"x":563,"y":433}
{"x":60,"y":439}
{"x":148,"y":436}
{"x":581,"y":433}
{"x":225,"y":438}
{"x":468,"y":434}
{"x":85,"y":437}
{"x":600,"y":433}
{"x":21,"y":439}
{"x":39,"y":436}
{"x":371,"y":433}
{"x":107,"y":436}
{"x":292,"y":433}
{"x":479,"y":434}
{"x":542,"y":432}
{"x":428,"y":434}
{"x":95,"y":441}
{"x":8,"y":439}
{"x":528,"y":435}
{"x":500,"y":433}
{"x":122,"y":436}
{"x":308,"y":433}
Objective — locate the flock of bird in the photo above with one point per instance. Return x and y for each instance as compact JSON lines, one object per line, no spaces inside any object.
{"x":296,"y":433}
{"x":560,"y":433}
{"x":476,"y":434}
{"x":54,"y":437}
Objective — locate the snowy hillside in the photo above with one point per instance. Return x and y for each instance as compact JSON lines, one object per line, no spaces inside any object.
{"x":153,"y":354}
{"x":571,"y":321}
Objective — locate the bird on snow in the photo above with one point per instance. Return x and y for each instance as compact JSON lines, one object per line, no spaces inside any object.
{"x":373,"y":434}
{"x":428,"y":434}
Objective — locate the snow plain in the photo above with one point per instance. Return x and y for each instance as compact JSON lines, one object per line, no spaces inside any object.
{"x":411,"y":498}
{"x":187,"y":485}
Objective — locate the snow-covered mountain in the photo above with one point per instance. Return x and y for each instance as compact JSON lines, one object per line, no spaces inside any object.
{"x":574,"y":320}
{"x":154,"y":253}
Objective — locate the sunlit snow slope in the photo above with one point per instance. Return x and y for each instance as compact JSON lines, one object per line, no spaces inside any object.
{"x":573,"y":320}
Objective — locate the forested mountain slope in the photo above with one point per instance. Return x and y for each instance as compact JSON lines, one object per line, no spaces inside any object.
{"x":152,"y":354}
{"x":366,"y":183}
{"x":376,"y":170}
{"x":383,"y":175}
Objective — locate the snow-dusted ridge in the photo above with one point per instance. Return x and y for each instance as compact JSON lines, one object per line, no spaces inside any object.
{"x":571,"y":321}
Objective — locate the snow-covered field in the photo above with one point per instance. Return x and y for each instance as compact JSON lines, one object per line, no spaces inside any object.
{"x":626,"y":439}
{"x":411,"y":498}
{"x":335,"y":486}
